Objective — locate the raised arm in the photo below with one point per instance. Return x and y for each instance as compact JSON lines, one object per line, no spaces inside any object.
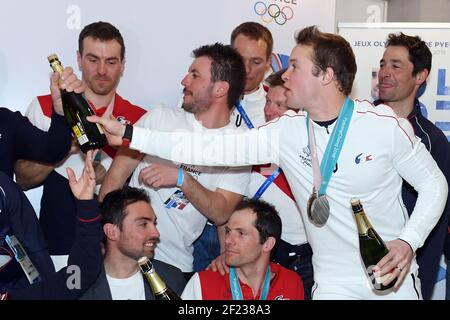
{"x":42,"y":151}
{"x":256,"y":146}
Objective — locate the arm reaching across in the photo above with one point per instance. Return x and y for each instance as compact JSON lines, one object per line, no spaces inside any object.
{"x":114,"y":130}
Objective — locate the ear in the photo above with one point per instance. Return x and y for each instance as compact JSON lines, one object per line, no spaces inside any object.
{"x":269,"y":63}
{"x":421,"y":77}
{"x":111,"y":231}
{"x":269,"y":244}
{"x":122,"y":69}
{"x":79,"y":61}
{"x":221,"y":89}
{"x":327,"y":76}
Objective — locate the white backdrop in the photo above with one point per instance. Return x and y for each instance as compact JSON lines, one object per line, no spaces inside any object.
{"x":367,"y":41}
{"x":159,"y":36}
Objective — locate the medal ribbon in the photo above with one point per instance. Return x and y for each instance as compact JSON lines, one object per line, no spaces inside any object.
{"x":322,"y":177}
{"x":267,"y":183}
{"x":244,"y":115}
{"x":236,"y":290}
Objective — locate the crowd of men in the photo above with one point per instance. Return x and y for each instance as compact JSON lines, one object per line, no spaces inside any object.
{"x":254,"y":226}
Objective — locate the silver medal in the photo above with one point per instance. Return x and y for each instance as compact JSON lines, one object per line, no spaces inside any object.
{"x":318,"y":209}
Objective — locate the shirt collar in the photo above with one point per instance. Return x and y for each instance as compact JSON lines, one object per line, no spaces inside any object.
{"x":255,"y":96}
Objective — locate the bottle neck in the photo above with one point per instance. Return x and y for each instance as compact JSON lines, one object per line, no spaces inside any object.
{"x":57,"y":67}
{"x":362,"y":223}
{"x":157,"y":284}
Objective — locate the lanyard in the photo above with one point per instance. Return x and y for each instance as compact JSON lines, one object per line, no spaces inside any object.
{"x":244,"y":115}
{"x":236,"y":290}
{"x":334,"y":147}
{"x":267,"y":183}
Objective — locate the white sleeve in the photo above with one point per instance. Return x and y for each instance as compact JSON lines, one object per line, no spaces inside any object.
{"x":212,"y":147}
{"x":36,"y":116}
{"x":416,"y":165}
{"x":193,"y":289}
{"x":235,"y":179}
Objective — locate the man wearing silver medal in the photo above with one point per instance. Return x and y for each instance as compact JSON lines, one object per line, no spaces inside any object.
{"x":364,"y":151}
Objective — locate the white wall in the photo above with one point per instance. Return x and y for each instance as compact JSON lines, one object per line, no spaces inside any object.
{"x":360,"y":10}
{"x":159,"y":36}
{"x":419,"y":11}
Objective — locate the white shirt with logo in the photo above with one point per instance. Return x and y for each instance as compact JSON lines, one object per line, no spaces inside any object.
{"x":179,"y":222}
{"x":378,"y":151}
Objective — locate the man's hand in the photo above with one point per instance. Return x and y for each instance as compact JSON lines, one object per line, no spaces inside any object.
{"x":83,"y":188}
{"x":218,"y":264}
{"x":158,"y":175}
{"x":114,"y":130}
{"x":397,"y":261}
{"x":67,"y":81}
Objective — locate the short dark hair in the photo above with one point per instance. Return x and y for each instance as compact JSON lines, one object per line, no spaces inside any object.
{"x":268,"y":222}
{"x":103,"y":31}
{"x":419,"y":53}
{"x":330,"y":51}
{"x":115,"y":203}
{"x":226,"y":65}
{"x":275,"y":79}
{"x":254,"y":31}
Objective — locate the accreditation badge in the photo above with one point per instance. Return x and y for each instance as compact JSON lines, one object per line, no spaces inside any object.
{"x":177,"y":200}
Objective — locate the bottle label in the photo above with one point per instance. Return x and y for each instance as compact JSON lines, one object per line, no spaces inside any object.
{"x":79,"y":133}
{"x":83,"y":139}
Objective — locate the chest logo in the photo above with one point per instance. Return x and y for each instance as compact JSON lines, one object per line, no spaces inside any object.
{"x":361,"y":158}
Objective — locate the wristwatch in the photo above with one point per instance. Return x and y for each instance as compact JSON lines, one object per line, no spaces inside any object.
{"x":127,"y":135}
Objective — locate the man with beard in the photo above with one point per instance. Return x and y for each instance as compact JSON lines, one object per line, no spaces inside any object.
{"x":101,"y":59}
{"x":185,"y":196}
{"x":129,"y":225}
{"x":254,"y":43}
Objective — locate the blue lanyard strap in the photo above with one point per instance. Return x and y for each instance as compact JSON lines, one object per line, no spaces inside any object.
{"x":244,"y":115}
{"x":335,"y":143}
{"x":267,"y":183}
{"x":236,"y":290}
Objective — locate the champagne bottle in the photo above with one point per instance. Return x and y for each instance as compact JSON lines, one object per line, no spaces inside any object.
{"x":76,"y":109}
{"x":160,"y":290}
{"x":371,"y":246}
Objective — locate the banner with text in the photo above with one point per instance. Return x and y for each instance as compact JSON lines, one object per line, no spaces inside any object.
{"x":368,"y":41}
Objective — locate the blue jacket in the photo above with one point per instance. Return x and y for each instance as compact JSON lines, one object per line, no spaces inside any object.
{"x":19,"y":139}
{"x":84,"y":264}
{"x":171,"y":275}
{"x":17,"y":217}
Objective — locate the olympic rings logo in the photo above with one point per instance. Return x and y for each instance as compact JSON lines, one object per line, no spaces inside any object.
{"x":273,"y":12}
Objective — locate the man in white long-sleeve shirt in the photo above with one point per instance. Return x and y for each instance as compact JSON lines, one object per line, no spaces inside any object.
{"x":377,"y":150}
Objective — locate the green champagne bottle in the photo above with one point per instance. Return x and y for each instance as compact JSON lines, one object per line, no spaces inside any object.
{"x":371,"y":246}
{"x":160,"y":290}
{"x":76,"y":109}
